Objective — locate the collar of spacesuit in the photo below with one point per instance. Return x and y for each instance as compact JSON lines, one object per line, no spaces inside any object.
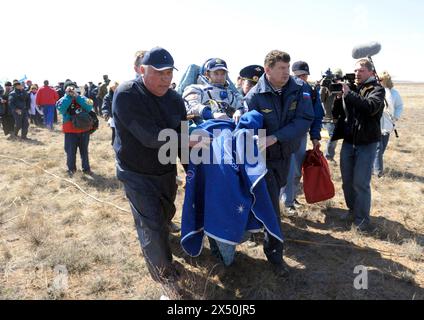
{"x":205,"y":80}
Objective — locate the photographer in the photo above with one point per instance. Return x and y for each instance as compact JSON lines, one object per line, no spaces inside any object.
{"x":71,"y":104}
{"x":359,"y":126}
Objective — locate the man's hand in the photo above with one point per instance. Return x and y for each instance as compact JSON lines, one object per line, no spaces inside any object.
{"x":237,"y":115}
{"x":18,"y":111}
{"x":316,"y":144}
{"x":346,"y":89}
{"x":220,"y":116}
{"x":199,"y":141}
{"x":267,"y":142}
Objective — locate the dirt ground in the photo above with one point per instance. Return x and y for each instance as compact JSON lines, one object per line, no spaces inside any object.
{"x":57,"y":242}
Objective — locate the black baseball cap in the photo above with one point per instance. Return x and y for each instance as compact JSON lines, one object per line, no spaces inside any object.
{"x":300,"y":67}
{"x":159,"y":58}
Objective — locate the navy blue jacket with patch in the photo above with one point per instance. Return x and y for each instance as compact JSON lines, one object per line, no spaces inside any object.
{"x":287,"y":116}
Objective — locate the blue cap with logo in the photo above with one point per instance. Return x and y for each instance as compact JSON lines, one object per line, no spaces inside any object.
{"x":159,"y":59}
{"x":300,"y":67}
{"x":216,"y":64}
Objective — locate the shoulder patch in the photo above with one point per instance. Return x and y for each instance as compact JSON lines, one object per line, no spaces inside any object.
{"x":191,"y":97}
{"x":293,"y":106}
{"x":266,"y":111}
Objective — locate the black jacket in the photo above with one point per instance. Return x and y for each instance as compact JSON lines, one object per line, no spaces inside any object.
{"x":19,"y":99}
{"x":359,"y":123}
{"x":107,"y":104}
{"x":139,"y":118}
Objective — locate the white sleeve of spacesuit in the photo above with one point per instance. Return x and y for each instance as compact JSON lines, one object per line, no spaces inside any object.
{"x":238,"y":103}
{"x":193,"y":98}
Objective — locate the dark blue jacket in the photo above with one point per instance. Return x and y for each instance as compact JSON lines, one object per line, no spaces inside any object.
{"x":315,"y":131}
{"x":107,"y":104}
{"x":139,"y":118}
{"x":287,"y":116}
{"x":18,"y":99}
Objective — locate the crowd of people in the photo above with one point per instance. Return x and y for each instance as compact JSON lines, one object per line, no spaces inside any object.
{"x":362,"y":114}
{"x":25,"y":103}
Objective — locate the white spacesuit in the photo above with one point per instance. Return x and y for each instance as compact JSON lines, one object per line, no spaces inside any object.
{"x":206,"y":99}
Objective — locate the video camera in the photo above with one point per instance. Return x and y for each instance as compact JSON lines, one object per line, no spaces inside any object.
{"x":330,"y":81}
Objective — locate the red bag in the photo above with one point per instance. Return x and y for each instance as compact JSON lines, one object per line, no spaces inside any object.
{"x":317,"y":183}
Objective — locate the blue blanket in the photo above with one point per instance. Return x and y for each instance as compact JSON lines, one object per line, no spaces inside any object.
{"x":224,"y":200}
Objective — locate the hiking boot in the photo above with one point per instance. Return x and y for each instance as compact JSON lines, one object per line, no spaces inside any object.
{"x":366,"y":228}
{"x":281,"y":270}
{"x":87,"y":172}
{"x":70,"y":173}
{"x":11,"y":137}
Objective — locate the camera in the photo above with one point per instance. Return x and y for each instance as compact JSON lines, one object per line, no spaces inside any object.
{"x":332,"y":81}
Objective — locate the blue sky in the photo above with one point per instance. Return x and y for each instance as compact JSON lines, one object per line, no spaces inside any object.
{"x":83,"y":40}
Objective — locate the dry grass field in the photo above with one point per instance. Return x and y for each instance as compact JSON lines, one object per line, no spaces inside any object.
{"x":47,"y":222}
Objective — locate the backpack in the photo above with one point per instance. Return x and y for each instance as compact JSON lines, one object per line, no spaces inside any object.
{"x":95,"y":121}
{"x":82,"y":119}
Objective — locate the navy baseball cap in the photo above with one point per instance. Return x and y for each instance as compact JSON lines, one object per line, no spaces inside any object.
{"x":300,"y":67}
{"x":252,"y":73}
{"x":158,"y":58}
{"x":217,"y":64}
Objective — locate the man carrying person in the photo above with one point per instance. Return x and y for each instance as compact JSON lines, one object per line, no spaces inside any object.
{"x":142,"y":108}
{"x":286,"y":105}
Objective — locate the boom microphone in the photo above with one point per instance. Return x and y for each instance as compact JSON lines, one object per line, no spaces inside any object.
{"x":366,"y":50}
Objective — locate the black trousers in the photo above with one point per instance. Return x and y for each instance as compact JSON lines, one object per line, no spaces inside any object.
{"x":8,"y":124}
{"x":273,"y":248}
{"x":21,"y":123}
{"x":152,"y":205}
